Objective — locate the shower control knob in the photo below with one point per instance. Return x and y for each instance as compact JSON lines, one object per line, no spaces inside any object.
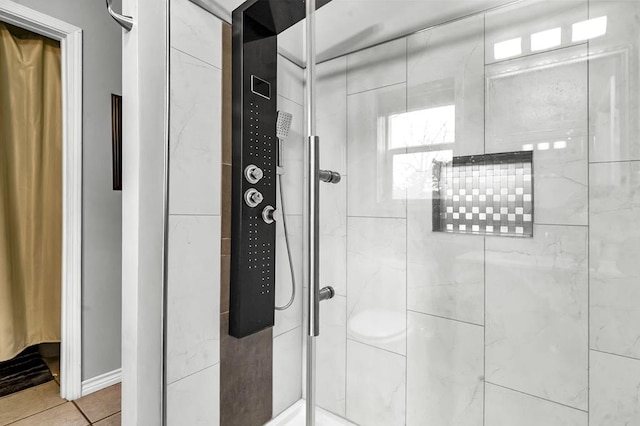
{"x":253,"y":197}
{"x":253,"y":173}
{"x":268,"y":215}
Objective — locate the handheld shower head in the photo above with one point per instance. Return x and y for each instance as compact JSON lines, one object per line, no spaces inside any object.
{"x":283,"y":125}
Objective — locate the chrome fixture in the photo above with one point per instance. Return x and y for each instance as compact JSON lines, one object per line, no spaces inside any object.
{"x":283,"y":126}
{"x":125,"y":22}
{"x":313,"y":240}
{"x":312,"y":246}
{"x":329,"y":176}
{"x":268,"y":215}
{"x":311,"y":213}
{"x":253,"y":173}
{"x":253,"y":197}
{"x":327,"y":293}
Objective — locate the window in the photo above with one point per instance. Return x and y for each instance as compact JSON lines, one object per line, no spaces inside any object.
{"x":416,"y":140}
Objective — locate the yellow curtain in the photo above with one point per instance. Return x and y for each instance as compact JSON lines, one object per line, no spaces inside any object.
{"x":30,"y":190}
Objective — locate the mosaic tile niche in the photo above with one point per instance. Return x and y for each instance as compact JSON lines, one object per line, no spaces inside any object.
{"x":485,"y":195}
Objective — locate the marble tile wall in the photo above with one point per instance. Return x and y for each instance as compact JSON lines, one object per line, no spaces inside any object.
{"x":200,"y":164}
{"x":287,"y":333}
{"x":614,"y":269}
{"x":375,"y":385}
{"x":536,"y":314}
{"x":614,"y":395}
{"x":529,"y":332}
{"x":373,"y":191}
{"x":395,"y":316}
{"x":194,"y":251}
{"x":445,"y":276}
{"x":476,"y":330}
{"x":469,"y":329}
{"x":614,"y":193}
{"x":614,"y":71}
{"x":445,"y":364}
{"x":508,"y":407}
{"x":331,"y":346}
{"x":529,"y":106}
{"x":287,"y":370}
{"x":376,"y":211}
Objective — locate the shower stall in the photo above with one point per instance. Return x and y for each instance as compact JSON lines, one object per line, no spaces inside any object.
{"x":483,"y":240}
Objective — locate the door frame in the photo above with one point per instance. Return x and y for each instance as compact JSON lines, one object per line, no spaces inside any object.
{"x":70,"y":38}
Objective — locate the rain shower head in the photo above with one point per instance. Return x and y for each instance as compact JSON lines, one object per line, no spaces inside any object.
{"x":283,"y":125}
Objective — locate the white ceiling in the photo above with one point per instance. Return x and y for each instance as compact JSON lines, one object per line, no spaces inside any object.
{"x":344,"y":26}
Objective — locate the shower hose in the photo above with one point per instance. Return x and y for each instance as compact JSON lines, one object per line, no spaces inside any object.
{"x":286,"y":239}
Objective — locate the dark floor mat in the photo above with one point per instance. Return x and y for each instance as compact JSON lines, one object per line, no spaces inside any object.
{"x":24,"y":371}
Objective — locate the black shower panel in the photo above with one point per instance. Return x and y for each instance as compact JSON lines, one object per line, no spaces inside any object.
{"x":253,"y":241}
{"x":256,"y":25}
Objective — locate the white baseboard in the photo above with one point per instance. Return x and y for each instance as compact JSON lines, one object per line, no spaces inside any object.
{"x":100,"y":382}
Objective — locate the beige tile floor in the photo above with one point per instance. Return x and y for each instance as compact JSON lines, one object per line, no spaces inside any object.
{"x":42,"y":406}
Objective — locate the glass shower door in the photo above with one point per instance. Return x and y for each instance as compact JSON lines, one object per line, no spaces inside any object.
{"x":482,"y":240}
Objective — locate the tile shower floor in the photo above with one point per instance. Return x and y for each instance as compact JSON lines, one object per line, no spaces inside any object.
{"x":295,"y":416}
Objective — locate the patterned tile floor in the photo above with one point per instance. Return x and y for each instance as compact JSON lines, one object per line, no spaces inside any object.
{"x":42,"y":405}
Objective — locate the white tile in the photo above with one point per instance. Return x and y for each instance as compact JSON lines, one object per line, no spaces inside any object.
{"x":193,"y":313}
{"x":375,"y":188}
{"x":331,"y":356}
{"x":292,"y":317}
{"x":615,"y":250}
{"x":294,"y":143}
{"x":522,"y":20}
{"x":196,"y":32}
{"x":538,"y":101}
{"x":195,"y":136}
{"x":293,"y":176}
{"x":376,"y":283}
{"x":615,"y":390}
{"x":290,"y":80}
{"x":375,"y":386}
{"x":333,"y":262}
{"x":293,"y":181}
{"x":333,"y":236}
{"x":305,"y":307}
{"x":331,"y":110}
{"x":614,"y":82}
{"x":287,"y":370}
{"x":195,"y":400}
{"x":445,"y":272}
{"x":536,"y":319}
{"x":377,"y":66}
{"x":505,"y":407}
{"x":445,"y":368}
{"x":457,"y":80}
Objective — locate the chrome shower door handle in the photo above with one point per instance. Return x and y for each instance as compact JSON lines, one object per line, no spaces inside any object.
{"x":329,"y":176}
{"x":327,"y":293}
{"x":125,"y":21}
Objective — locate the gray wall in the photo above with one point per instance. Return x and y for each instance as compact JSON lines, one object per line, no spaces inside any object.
{"x":102,"y":207}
